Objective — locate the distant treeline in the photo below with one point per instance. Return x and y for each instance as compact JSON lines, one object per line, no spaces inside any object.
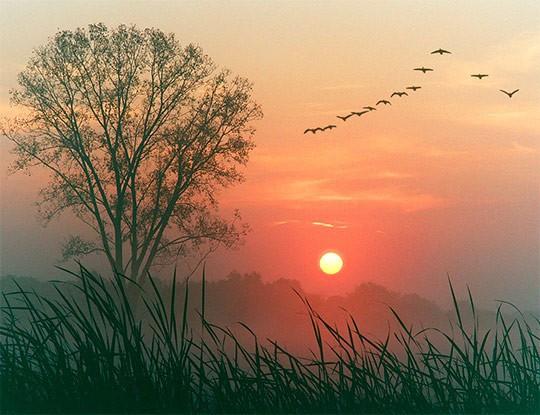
{"x":275,"y":311}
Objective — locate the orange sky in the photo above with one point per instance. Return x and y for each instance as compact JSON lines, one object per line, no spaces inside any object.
{"x":446,"y":180}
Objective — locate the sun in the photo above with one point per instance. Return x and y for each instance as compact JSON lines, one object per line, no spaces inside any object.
{"x":331,"y":263}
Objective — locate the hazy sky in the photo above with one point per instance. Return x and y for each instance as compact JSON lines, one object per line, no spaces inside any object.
{"x":446,"y":180}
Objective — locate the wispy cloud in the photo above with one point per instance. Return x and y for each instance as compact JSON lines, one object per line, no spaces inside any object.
{"x":284,"y":222}
{"x":508,"y":114}
{"x":392,"y":175}
{"x":520,"y":148}
{"x":525,"y":53}
{"x":335,"y":225}
{"x":332,"y":197}
{"x":330,"y":225}
{"x":406,"y":201}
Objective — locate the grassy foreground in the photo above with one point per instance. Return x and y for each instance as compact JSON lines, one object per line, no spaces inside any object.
{"x":91,"y":353}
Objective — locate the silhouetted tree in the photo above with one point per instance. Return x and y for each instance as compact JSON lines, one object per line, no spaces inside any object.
{"x":138,"y":133}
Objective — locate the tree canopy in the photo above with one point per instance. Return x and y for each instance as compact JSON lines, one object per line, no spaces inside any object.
{"x":138,"y":133}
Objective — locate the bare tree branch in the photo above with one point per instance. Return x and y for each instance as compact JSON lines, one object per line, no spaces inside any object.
{"x":138,"y":133}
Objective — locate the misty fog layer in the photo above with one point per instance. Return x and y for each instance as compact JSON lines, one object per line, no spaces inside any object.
{"x":276,"y":311}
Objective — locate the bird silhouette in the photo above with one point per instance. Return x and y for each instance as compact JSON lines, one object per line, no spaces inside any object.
{"x":440,"y":51}
{"x":345,"y":117}
{"x":423,"y":69}
{"x":329,"y":127}
{"x":313,"y":130}
{"x":414,"y":88}
{"x":479,"y":75}
{"x":359,"y":114}
{"x":510,"y":94}
{"x":370,"y":108}
{"x":383,"y":101}
{"x":399,"y":94}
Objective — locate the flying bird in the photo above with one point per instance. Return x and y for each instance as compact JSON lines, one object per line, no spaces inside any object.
{"x":479,"y":75}
{"x":423,"y":69}
{"x":329,"y":127}
{"x":360,"y":113}
{"x":383,"y":101}
{"x":370,"y":108}
{"x":510,"y":94}
{"x":313,"y":130}
{"x":440,"y":51}
{"x":414,"y":88}
{"x":345,"y":117}
{"x":399,"y":94}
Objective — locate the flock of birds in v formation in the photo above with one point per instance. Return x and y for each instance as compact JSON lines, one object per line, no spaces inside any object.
{"x":399,"y":94}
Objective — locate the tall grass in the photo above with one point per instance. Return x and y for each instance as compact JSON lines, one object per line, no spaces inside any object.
{"x":97,"y":354}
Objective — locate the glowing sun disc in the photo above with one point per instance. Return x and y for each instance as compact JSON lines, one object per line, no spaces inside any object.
{"x":331,"y":263}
